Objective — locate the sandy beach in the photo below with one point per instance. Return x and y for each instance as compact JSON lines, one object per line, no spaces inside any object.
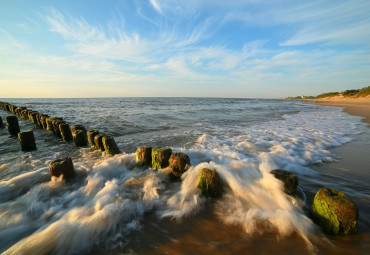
{"x":358,"y":107}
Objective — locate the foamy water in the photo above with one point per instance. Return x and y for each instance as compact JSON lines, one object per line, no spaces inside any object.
{"x":243,"y":139}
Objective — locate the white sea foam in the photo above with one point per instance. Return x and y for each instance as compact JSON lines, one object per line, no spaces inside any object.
{"x":110,"y":196}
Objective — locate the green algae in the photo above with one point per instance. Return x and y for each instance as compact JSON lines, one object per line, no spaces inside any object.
{"x":209,"y":183}
{"x":143,"y":156}
{"x":27,"y":140}
{"x":110,"y":145}
{"x":160,"y":157}
{"x":335,"y":212}
{"x":289,"y":179}
{"x":179,"y":163}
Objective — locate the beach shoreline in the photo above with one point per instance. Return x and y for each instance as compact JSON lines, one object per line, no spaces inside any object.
{"x":357,"y":107}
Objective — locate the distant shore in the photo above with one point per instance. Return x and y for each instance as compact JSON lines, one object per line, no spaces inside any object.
{"x":358,"y":106}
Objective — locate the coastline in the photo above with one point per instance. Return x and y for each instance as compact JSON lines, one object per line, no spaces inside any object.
{"x":357,"y":107}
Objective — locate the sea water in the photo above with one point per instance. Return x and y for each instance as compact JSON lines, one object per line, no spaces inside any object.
{"x":111,"y":199}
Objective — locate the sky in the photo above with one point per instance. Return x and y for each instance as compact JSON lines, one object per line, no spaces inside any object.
{"x":192,"y":48}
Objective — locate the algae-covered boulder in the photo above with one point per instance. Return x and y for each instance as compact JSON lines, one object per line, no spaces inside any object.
{"x":62,"y":166}
{"x":209,"y":183}
{"x":98,"y":140}
{"x":65,"y":132}
{"x":79,"y":138}
{"x":90,"y":136}
{"x":160,"y":157}
{"x":27,"y":140}
{"x":13,"y":126}
{"x":335,"y":212}
{"x":179,"y":163}
{"x":110,"y":145}
{"x":144,"y":156}
{"x":289,"y":179}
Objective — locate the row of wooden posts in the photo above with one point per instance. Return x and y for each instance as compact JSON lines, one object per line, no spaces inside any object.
{"x":76,"y":133}
{"x":327,"y":202}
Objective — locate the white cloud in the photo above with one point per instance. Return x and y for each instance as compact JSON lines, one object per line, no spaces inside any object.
{"x":155,"y":5}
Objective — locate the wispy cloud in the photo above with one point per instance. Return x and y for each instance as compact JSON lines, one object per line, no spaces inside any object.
{"x":155,"y":5}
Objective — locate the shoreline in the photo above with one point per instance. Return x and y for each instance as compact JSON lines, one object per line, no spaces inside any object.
{"x":357,"y":107}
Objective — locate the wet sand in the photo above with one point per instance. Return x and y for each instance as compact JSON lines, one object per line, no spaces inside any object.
{"x":358,"y":107}
{"x":205,"y":233}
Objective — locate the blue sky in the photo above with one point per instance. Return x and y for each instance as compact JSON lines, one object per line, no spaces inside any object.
{"x":235,"y":48}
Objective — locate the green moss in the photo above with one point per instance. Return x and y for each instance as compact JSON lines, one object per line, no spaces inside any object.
{"x":110,"y":145}
{"x":27,"y":140}
{"x":179,"y":162}
{"x":144,"y":156}
{"x":90,"y":136}
{"x":160,"y":157}
{"x":335,"y":212}
{"x":289,"y":179}
{"x":209,"y":183}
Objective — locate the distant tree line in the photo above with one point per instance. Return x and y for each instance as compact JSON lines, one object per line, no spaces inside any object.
{"x":348,"y":93}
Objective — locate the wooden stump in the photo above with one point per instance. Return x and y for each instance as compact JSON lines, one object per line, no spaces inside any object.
{"x":13,"y":126}
{"x":144,"y":156}
{"x":65,"y":132}
{"x":90,"y":137}
{"x":160,"y":157}
{"x":62,"y":167}
{"x":98,"y":140}
{"x":110,"y":145}
{"x":27,"y":140}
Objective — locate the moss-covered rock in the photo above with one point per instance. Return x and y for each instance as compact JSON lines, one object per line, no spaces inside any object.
{"x":110,"y":145}
{"x":160,"y":157}
{"x":209,"y":183}
{"x":79,"y":138}
{"x":335,"y":212}
{"x":62,"y":167}
{"x":289,"y":179}
{"x":144,"y":156}
{"x":179,"y":163}
{"x":65,"y":132}
{"x":90,"y":136}
{"x":13,"y":125}
{"x":98,"y":140}
{"x":27,"y":140}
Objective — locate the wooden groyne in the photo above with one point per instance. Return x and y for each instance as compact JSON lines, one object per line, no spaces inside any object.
{"x":56,"y":125}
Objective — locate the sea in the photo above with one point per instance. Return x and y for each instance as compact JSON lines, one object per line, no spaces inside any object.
{"x":114,"y":207}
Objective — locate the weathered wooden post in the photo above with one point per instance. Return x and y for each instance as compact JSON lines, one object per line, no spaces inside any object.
{"x":98,"y":139}
{"x":90,"y":136}
{"x":209,"y":183}
{"x":65,"y":132}
{"x":62,"y":167}
{"x":179,"y":163}
{"x":110,"y":145}
{"x":79,"y":135}
{"x":144,"y":156}
{"x":27,"y":140}
{"x":160,"y":157}
{"x":13,"y":126}
{"x":1,"y":123}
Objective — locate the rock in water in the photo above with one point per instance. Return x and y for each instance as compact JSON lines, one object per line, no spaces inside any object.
{"x":179,"y":163}
{"x":27,"y":140}
{"x":65,"y":132}
{"x":160,"y":157}
{"x":335,"y":212}
{"x":90,"y":136}
{"x":62,"y":167}
{"x":144,"y":156}
{"x":289,"y":179}
{"x":209,"y":183}
{"x":13,"y":126}
{"x":110,"y":145}
{"x":1,"y":123}
{"x":98,"y":140}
